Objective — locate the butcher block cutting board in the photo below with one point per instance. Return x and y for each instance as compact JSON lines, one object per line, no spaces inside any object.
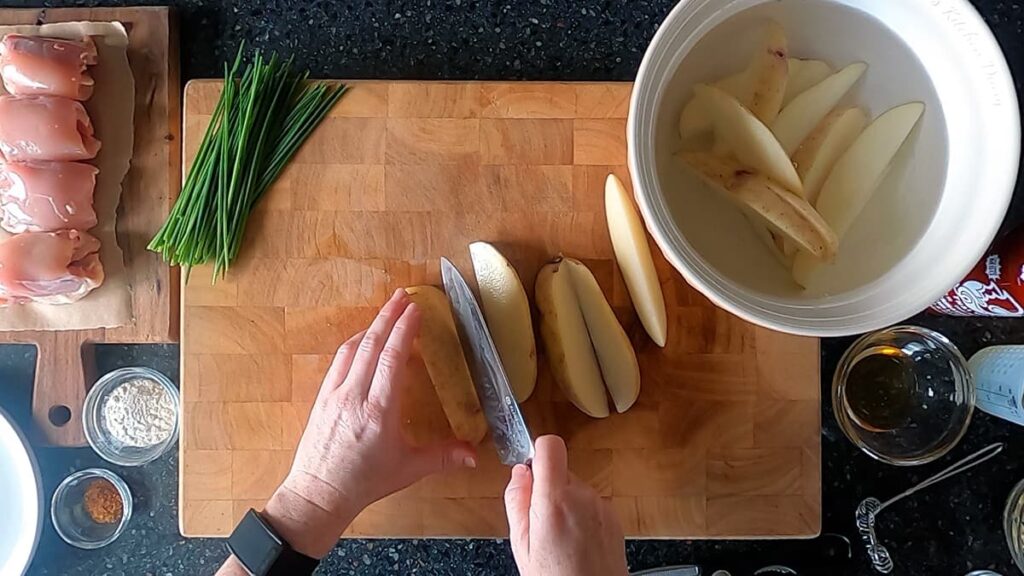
{"x":63,"y":366}
{"x":723,"y":442}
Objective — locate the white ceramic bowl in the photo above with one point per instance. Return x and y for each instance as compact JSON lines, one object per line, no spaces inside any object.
{"x":929,"y":222}
{"x":21,"y":499}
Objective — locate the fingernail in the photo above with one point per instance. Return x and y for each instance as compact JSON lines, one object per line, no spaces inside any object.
{"x":469,"y":462}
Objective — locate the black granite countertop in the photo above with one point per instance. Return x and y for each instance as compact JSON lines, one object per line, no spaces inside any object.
{"x":950,"y":529}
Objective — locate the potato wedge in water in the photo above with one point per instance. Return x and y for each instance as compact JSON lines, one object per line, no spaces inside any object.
{"x":696,"y":118}
{"x":820,"y":151}
{"x":507,"y":312}
{"x":567,"y":342}
{"x":857,"y":175}
{"x":633,"y":256}
{"x":768,"y":75}
{"x":803,"y":74}
{"x":615,"y":355}
{"x":760,"y":88}
{"x":806,"y":111}
{"x":441,"y":349}
{"x":748,"y":138}
{"x":782,"y":211}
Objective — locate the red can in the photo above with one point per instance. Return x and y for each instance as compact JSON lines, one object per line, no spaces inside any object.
{"x":995,"y":287}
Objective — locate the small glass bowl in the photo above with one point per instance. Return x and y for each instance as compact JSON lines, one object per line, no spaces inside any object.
{"x":72,"y":521}
{"x":903,"y":395}
{"x":1013,"y":524}
{"x":99,"y":437}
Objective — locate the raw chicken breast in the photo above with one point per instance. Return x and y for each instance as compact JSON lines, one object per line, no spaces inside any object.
{"x":45,"y":128}
{"x":32,"y":65}
{"x":49,"y":267}
{"x":42,"y":196}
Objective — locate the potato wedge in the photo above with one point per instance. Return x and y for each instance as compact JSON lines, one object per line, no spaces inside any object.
{"x":507,"y":312}
{"x":748,"y":138}
{"x":761,"y":87}
{"x":633,"y":255}
{"x":768,"y":75}
{"x":439,"y":345}
{"x":782,"y":211}
{"x":775,"y":244}
{"x":615,"y":355}
{"x":802,"y":75}
{"x":807,"y":110}
{"x":567,"y":342}
{"x":858,"y":173}
{"x":820,"y":151}
{"x":696,"y":117}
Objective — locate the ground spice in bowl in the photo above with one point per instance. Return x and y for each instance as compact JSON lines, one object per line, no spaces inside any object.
{"x":103,"y":502}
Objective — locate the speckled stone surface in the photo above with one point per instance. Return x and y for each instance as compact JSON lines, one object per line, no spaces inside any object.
{"x":949,"y":529}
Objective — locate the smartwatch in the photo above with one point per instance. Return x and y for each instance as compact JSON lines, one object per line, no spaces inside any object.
{"x":263,"y":552}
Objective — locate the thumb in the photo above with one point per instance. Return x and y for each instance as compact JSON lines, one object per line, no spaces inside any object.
{"x":517,"y":508}
{"x":441,"y":457}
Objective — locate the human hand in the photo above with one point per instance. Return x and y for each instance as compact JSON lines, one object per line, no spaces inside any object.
{"x":558,"y":526}
{"x":352,"y":452}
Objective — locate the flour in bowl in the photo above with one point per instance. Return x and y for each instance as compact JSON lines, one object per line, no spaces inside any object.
{"x":139,"y":413}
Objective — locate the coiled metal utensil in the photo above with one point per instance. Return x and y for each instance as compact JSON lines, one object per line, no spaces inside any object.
{"x":869,"y":508}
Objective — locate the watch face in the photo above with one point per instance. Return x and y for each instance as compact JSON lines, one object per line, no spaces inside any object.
{"x":255,"y":544}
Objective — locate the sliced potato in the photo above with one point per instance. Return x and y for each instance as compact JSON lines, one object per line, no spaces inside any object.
{"x":802,"y":75}
{"x":633,"y":255}
{"x":439,"y":345}
{"x":782,"y":211}
{"x":768,"y":75}
{"x":761,"y":87}
{"x":775,"y":243}
{"x":696,"y":118}
{"x":615,"y":355}
{"x":818,"y":154}
{"x":737,"y":85}
{"x":749,"y":139}
{"x":807,"y":110}
{"x":858,"y":173}
{"x":507,"y":312}
{"x":567,"y":342}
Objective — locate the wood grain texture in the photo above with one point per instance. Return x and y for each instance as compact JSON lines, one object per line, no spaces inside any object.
{"x":724,"y":440}
{"x":63,"y":367}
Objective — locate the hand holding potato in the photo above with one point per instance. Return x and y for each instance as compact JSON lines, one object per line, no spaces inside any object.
{"x":352,"y":452}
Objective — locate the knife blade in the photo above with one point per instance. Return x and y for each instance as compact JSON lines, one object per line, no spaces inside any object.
{"x":508,"y":429}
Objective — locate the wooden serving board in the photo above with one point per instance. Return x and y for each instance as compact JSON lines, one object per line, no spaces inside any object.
{"x":63,"y":366}
{"x":723,"y":442}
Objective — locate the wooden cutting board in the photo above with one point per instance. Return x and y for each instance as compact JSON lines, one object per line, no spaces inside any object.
{"x":723,"y":442}
{"x":64,"y":359}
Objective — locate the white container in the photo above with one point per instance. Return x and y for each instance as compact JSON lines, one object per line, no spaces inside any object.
{"x":999,"y":381}
{"x":927,"y":225}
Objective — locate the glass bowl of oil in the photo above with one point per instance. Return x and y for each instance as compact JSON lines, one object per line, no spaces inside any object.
{"x":903,"y":395}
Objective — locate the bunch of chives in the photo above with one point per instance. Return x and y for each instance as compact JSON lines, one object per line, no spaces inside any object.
{"x":261,"y":120}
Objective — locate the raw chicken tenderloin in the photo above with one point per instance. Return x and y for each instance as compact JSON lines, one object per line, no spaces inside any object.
{"x":33,"y":65}
{"x":49,"y":267}
{"x":40,"y":196}
{"x":45,"y":128}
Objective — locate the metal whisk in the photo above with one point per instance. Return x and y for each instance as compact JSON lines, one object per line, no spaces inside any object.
{"x":867,"y":511}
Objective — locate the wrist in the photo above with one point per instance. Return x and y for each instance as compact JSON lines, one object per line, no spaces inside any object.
{"x":305,"y":525}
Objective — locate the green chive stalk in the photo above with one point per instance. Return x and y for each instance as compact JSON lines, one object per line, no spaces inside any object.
{"x":265,"y":113}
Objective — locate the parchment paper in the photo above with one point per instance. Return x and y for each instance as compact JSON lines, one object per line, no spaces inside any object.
{"x":112,"y":110}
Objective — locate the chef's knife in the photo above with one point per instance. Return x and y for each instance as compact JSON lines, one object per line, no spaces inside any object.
{"x":511,"y":437}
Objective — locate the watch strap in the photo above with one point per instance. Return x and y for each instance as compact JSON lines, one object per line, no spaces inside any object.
{"x":262,"y":551}
{"x":291,"y":563}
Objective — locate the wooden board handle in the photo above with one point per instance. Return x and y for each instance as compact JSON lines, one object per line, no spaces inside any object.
{"x":60,"y":384}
